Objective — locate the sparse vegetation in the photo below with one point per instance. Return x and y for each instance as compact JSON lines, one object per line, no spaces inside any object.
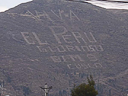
{"x":85,"y":89}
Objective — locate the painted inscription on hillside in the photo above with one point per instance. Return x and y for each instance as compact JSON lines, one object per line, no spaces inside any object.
{"x":80,"y":46}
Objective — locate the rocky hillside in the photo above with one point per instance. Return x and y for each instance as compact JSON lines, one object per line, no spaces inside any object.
{"x":61,"y":43}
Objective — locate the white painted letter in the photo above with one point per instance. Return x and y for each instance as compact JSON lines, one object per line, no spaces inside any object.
{"x":78,"y":37}
{"x":73,"y":15}
{"x":40,"y":43}
{"x":58,"y":31}
{"x":91,"y":38}
{"x":74,"y":57}
{"x":28,"y":38}
{"x":92,"y":57}
{"x":56,"y":58}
